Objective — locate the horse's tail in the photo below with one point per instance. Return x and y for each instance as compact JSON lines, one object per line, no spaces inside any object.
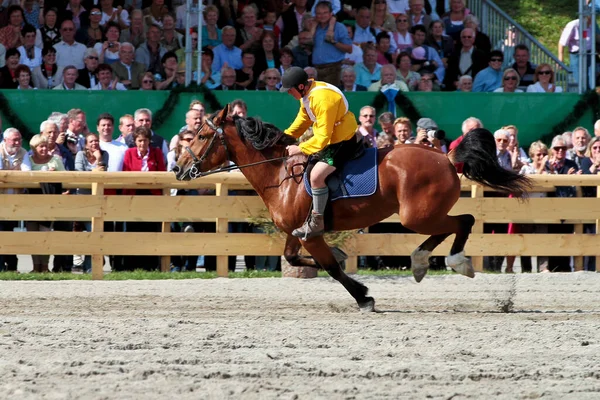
{"x":478,"y":153}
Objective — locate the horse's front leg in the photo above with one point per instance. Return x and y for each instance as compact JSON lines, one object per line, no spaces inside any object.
{"x":323,"y":255}
{"x":292,"y":256}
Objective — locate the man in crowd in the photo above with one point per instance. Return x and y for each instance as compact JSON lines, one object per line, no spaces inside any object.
{"x":524,"y":68}
{"x":143,"y":117}
{"x":126,"y":69}
{"x":227,"y":52}
{"x":490,"y":78}
{"x":349,"y":81}
{"x":126,"y":127}
{"x":193,"y":121}
{"x":367,"y":125}
{"x":290,"y":21}
{"x":151,"y":51}
{"x":115,"y":149}
{"x":228,"y":80}
{"x":368,"y":71}
{"x":88,"y":76}
{"x":70,"y":74}
{"x":68,"y":51}
{"x":466,"y":61}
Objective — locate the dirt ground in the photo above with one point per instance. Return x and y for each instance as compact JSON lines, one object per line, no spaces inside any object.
{"x":446,"y":338}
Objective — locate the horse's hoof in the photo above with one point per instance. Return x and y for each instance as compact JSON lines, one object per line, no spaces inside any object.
{"x":368,"y":305}
{"x":419,"y":273}
{"x":461,"y":264}
{"x":420,"y":263}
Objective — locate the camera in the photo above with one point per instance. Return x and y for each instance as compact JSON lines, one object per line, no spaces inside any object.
{"x":111,"y":45}
{"x":438,"y":134}
{"x":71,"y":139}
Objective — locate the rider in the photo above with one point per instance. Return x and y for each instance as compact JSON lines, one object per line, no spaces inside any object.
{"x":324,"y":107}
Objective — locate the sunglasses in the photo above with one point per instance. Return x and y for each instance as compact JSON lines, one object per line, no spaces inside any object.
{"x":147,"y":81}
{"x":401,"y":20}
{"x":92,"y":57}
{"x":426,"y":80}
{"x":510,"y":78}
{"x":368,"y":116}
{"x":67,"y":29}
{"x":495,"y":59}
{"x":272,"y":78}
{"x":466,"y":37}
{"x":502,"y":140}
{"x":545,"y":73}
{"x":95,"y":13}
{"x":560,"y":148}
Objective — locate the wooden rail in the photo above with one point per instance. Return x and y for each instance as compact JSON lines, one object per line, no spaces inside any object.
{"x":222,"y":208}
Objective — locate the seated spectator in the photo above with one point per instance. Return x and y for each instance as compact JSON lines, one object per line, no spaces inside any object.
{"x":349,"y":81}
{"x":208,"y":76}
{"x":126,"y":69}
{"x":270,"y":80}
{"x":287,"y":23}
{"x":416,"y":13}
{"x":352,"y":58}
{"x":430,"y":61}
{"x":30,"y":55}
{"x":228,"y":80}
{"x":69,"y":79}
{"x":181,"y":52}
{"x":442,"y":44}
{"x":167,"y":78}
{"x":68,"y":51}
{"x":510,"y":82}
{"x":381,"y":19}
{"x":482,"y":41}
{"x":403,"y":131}
{"x":388,"y":81}
{"x":402,"y":38}
{"x":544,"y":81}
{"x":465,"y":84}
{"x":106,"y":80}
{"x":91,"y":33}
{"x":454,"y":19}
{"x":244,"y":76}
{"x":181,"y":13}
{"x":10,"y":35}
{"x":384,"y":54}
{"x":311,"y":72}
{"x":48,"y":33}
{"x":108,"y":50}
{"x":48,"y":75}
{"x":248,"y":36}
{"x":7,"y":73}
{"x":171,"y":39}
{"x":366,"y":127}
{"x":405,"y":72}
{"x":74,"y":11}
{"x":286,"y":60}
{"x":369,"y":71}
{"x":524,"y":68}
{"x":226,"y":52}
{"x":135,"y":33}
{"x":490,"y":78}
{"x":88,"y":76}
{"x":110,"y":14}
{"x":2,"y":55}
{"x":153,"y":15}
{"x":151,"y":51}
{"x":268,"y":55}
{"x":23,"y":77}
{"x":211,"y":34}
{"x":428,"y":83}
{"x":467,"y":61}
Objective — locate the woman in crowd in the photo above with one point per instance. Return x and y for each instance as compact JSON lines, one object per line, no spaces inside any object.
{"x":23,"y":75}
{"x":404,"y":72}
{"x":454,"y":19}
{"x":41,"y":160}
{"x":380,"y":17}
{"x":30,"y":55}
{"x":211,"y":34}
{"x":268,"y":56}
{"x":593,"y":153}
{"x":154,"y":14}
{"x":444,"y":45}
{"x":513,"y":146}
{"x":48,"y":33}
{"x":10,"y":35}
{"x":171,"y":39}
{"x":270,"y":80}
{"x":48,"y":75}
{"x":75,"y":11}
{"x":465,"y":84}
{"x":510,"y":82}
{"x":544,"y":81}
{"x":90,"y":32}
{"x":108,"y":50}
{"x":147,"y":81}
{"x":249,"y":36}
{"x":8,"y":78}
{"x":286,"y":60}
{"x":402,"y":38}
{"x":143,"y":158}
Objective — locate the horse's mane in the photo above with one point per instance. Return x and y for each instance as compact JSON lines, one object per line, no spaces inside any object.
{"x":261,"y":135}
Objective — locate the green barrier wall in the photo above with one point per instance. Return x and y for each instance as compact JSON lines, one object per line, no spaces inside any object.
{"x":534,"y":114}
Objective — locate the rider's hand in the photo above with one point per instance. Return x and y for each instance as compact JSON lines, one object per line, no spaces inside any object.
{"x":293,"y":150}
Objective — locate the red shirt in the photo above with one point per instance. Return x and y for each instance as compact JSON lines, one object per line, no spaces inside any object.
{"x":133,"y":162}
{"x":454,"y":145}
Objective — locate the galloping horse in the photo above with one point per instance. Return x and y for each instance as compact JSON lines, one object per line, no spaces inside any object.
{"x":417,"y":182}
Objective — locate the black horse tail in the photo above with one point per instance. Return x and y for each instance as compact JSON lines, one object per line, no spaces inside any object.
{"x":478,"y":153}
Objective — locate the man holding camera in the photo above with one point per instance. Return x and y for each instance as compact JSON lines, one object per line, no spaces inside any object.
{"x":428,"y":134}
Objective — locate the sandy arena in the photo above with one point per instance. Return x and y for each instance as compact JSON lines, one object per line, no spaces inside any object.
{"x":446,"y":338}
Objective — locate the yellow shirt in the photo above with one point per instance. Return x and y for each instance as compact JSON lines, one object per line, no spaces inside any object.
{"x":325,"y":108}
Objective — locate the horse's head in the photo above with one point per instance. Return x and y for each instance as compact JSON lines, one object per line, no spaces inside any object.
{"x":207,"y":151}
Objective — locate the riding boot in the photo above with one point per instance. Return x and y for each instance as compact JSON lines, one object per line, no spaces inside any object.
{"x":314,"y":226}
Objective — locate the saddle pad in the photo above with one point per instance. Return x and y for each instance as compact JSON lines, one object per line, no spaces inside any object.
{"x":358,"y":178}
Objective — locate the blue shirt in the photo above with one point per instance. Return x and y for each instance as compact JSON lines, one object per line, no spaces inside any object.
{"x":364,"y":77}
{"x":487,"y":80}
{"x":233,"y":57}
{"x":364,"y":35}
{"x":335,"y":5}
{"x":325,"y":53}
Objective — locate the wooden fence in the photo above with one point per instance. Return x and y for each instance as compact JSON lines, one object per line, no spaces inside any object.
{"x":222,"y":208}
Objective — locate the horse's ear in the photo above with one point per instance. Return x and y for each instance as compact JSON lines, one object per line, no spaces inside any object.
{"x":223,"y":114}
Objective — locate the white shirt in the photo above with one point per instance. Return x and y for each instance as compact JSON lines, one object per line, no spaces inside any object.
{"x":397,"y":6}
{"x":108,"y":55}
{"x":180,"y":16}
{"x":36,"y":61}
{"x":118,"y":86}
{"x":144,"y":160}
{"x":116,"y":152}
{"x":537,"y":88}
{"x":501,"y":90}
{"x":356,"y":55}
{"x":70,"y":54}
{"x":124,"y":17}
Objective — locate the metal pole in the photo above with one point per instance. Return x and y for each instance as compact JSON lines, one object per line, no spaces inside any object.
{"x":582,"y":49}
{"x":188,"y":43}
{"x":199,"y":54}
{"x":593,"y":41}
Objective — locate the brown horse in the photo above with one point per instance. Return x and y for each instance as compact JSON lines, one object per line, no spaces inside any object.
{"x":417,"y":182}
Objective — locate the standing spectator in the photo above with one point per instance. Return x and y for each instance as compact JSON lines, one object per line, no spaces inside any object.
{"x":244,"y":76}
{"x":91,"y":32}
{"x":290,"y":21}
{"x":12,"y":158}
{"x":10,"y":35}
{"x":114,"y":148}
{"x":68,"y":51}
{"x":593,"y":153}
{"x":403,"y":130}
{"x":402,"y":38}
{"x":77,"y":126}
{"x":467,"y":61}
{"x":88,"y":76}
{"x":524,"y":68}
{"x":581,"y":139}
{"x":135,"y":33}
{"x":268,"y":55}
{"x":126,"y":69}
{"x":151,"y":51}
{"x":48,"y":75}
{"x":569,"y":39}
{"x":69,"y":79}
{"x":119,"y":16}
{"x":467,"y":126}
{"x":106,"y":80}
{"x":30,"y":55}
{"x":510,"y":82}
{"x":193,"y":122}
{"x":32,"y":13}
{"x":349,"y":81}
{"x":311,"y":72}
{"x":211,"y":34}
{"x":363,"y":31}
{"x":384,"y":54}
{"x":490,"y":78}
{"x":465,"y":84}
{"x":23,"y":77}
{"x":544,"y":81}
{"x":7,"y":73}
{"x":239,"y":108}
{"x":226,"y":52}
{"x":228,"y":80}
{"x":50,"y":131}
{"x":143,"y":117}
{"x":482,"y":41}
{"x":386,"y":121}
{"x":48,"y":33}
{"x":369,"y":71}
{"x":126,"y":127}
{"x":329,"y":50}
{"x":303,"y":52}
{"x":454,"y":19}
{"x":416,"y":14}
{"x":436,"y":65}
{"x":367,"y":125}
{"x":597,"y":128}
{"x":171,"y":39}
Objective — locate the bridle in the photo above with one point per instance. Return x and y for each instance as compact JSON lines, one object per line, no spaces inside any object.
{"x":195,"y":172}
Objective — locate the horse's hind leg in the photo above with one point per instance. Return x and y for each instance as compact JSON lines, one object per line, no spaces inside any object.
{"x":322,"y":254}
{"x":457,"y":259}
{"x":420,"y":257}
